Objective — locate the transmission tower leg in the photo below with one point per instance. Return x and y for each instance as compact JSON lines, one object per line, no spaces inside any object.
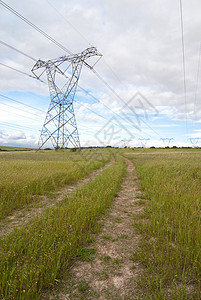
{"x":60,"y":124}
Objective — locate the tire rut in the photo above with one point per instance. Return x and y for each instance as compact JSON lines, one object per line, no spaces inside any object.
{"x":24,"y":216}
{"x":110,"y":273}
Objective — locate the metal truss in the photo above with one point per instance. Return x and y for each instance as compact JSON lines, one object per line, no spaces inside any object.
{"x":195,"y":141}
{"x":143,"y":142}
{"x":60,"y":123}
{"x":167,"y":141}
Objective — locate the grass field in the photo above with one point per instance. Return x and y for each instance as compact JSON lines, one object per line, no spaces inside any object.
{"x":170,"y":225}
{"x":5,"y":148}
{"x":27,"y":174}
{"x":33,"y":257}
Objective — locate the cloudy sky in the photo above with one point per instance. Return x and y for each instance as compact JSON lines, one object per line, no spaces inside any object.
{"x":140,"y":99}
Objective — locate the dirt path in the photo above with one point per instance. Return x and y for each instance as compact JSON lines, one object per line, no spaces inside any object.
{"x":109,"y":273}
{"x":23,"y":216}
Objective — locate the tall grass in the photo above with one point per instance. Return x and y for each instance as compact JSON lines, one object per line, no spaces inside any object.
{"x":26,"y":174}
{"x":5,"y":148}
{"x":34,"y":256}
{"x":170,"y":226}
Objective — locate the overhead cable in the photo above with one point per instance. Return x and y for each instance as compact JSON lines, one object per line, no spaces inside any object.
{"x":19,"y":51}
{"x":183,"y":60}
{"x":35,"y":27}
{"x":19,"y":71}
{"x":11,"y":99}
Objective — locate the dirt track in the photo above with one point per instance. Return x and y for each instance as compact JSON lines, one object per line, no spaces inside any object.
{"x":110,"y":272}
{"x":23,"y":216}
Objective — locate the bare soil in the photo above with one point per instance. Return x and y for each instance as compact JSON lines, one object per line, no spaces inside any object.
{"x":23,"y":216}
{"x":109,"y":273}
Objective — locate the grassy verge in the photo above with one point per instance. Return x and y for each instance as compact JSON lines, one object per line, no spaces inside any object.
{"x":24,"y":175}
{"x":170,"y":225}
{"x":6,"y":148}
{"x":33,"y":257}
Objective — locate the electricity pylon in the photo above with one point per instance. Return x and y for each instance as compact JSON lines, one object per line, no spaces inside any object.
{"x":143,"y":142}
{"x":166,"y":141}
{"x":195,"y":141}
{"x":125,"y":143}
{"x":60,"y":124}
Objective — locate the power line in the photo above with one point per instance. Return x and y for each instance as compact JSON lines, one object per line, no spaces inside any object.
{"x":40,"y":31}
{"x":88,"y":93}
{"x":111,"y":121}
{"x":150,"y":127}
{"x":35,"y":27}
{"x":68,"y":22}
{"x":167,"y":141}
{"x":14,"y":126}
{"x":196,"y":88}
{"x":114,"y":74}
{"x":59,"y":45}
{"x":19,"y":51}
{"x":7,"y":124}
{"x":18,"y":114}
{"x":19,"y":71}
{"x":194,"y":141}
{"x":83,"y":37}
{"x":120,"y":98}
{"x":20,"y":109}
{"x":22,"y":72}
{"x":107,"y":84}
{"x":11,"y":99}
{"x":184,"y":67}
{"x":88,"y":43}
{"x":98,"y":101}
{"x":90,"y":110}
{"x":106,"y":105}
{"x":113,"y":91}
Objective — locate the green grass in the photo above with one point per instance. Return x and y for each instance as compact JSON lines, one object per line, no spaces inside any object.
{"x":107,"y":237}
{"x":33,"y":257}
{"x":83,"y":286}
{"x":6,"y":148}
{"x":118,"y":220}
{"x":26,"y":174}
{"x":170,"y":225}
{"x":85,"y":254}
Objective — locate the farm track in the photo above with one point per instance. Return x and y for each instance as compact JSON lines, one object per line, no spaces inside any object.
{"x":110,"y":273}
{"x":25,"y":215}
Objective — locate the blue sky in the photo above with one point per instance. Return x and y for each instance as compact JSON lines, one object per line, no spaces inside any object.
{"x":142,"y":63}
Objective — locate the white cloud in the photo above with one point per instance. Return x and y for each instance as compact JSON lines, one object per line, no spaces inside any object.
{"x":18,"y":138}
{"x":17,"y":135}
{"x":141,"y":46}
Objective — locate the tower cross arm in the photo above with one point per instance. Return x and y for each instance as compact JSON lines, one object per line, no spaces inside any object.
{"x":89,"y":52}
{"x":39,"y":64}
{"x":60,"y":124}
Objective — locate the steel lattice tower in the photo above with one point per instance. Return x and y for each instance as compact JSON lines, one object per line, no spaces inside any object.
{"x":60,"y":124}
